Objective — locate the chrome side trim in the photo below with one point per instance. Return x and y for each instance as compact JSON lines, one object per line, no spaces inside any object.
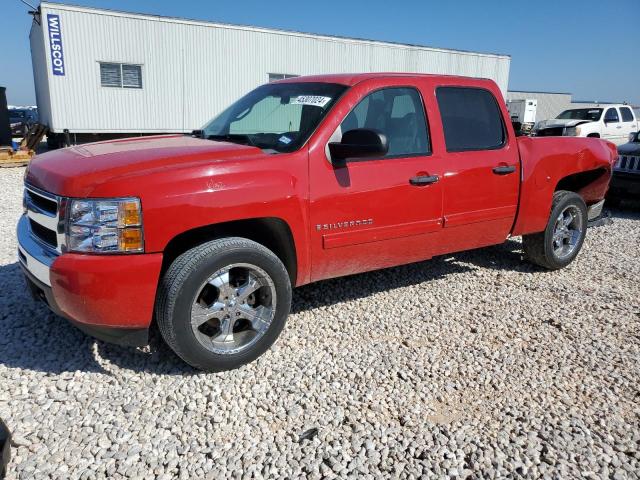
{"x":595,"y":210}
{"x":32,"y":255}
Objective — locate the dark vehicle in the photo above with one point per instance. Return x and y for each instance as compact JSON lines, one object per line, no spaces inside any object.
{"x":626,"y":172}
{"x":5,"y":442}
{"x":21,"y":120}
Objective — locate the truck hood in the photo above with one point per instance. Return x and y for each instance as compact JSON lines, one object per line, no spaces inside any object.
{"x":560,"y":122}
{"x":77,"y":171}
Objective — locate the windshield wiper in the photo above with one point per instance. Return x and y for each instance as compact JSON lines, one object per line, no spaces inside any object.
{"x":240,"y":138}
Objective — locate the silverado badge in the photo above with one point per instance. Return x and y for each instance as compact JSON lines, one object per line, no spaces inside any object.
{"x":345,"y":224}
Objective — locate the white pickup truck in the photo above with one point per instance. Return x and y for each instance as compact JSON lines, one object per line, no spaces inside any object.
{"x":616,"y":123}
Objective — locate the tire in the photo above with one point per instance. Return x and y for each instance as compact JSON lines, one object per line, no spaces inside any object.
{"x":540,"y":248}
{"x":196,"y":286}
{"x":593,"y":135}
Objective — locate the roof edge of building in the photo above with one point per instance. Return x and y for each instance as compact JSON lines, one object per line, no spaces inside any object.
{"x":537,"y":91}
{"x":164,"y":18}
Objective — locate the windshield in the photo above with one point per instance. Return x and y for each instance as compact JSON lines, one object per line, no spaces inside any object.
{"x":592,"y":114}
{"x":276,"y":116}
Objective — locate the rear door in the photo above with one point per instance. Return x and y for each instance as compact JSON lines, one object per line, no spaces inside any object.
{"x":613,"y":130}
{"x":629,"y":123}
{"x":481,"y":168}
{"x":375,"y":212}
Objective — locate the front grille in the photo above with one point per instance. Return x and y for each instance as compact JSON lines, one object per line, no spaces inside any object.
{"x":628,"y":163}
{"x":43,"y":210}
{"x":46,"y":205}
{"x":44,"y":234}
{"x":550,"y":132}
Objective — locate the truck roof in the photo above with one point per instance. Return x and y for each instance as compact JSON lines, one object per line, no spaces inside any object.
{"x":351,"y":79}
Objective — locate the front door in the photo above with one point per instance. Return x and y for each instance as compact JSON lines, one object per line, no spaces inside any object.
{"x":376,"y":212}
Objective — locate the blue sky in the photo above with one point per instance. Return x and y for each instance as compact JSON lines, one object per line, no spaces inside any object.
{"x":590,"y":48}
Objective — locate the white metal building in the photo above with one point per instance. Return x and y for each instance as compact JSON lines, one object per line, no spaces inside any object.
{"x":102,"y":71}
{"x":551,"y":104}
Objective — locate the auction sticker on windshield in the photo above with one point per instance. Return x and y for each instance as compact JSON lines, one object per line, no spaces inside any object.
{"x":315,"y":100}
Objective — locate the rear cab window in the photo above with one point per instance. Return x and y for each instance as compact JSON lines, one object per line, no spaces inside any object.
{"x":471,"y":119}
{"x":627,"y":115}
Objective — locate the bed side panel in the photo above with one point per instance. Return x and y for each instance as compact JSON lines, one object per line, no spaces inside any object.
{"x":545,"y":162}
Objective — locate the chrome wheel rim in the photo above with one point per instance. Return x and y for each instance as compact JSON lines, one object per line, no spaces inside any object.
{"x":233,"y":309}
{"x":567,"y":232}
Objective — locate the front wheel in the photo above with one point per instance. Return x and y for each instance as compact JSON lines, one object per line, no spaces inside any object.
{"x":223,"y":304}
{"x":563,"y":237}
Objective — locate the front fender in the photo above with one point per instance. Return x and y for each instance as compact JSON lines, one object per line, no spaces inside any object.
{"x":175,"y":201}
{"x":589,"y":128}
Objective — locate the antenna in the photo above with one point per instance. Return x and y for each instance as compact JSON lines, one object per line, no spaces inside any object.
{"x":28,"y":5}
{"x":34,"y":12}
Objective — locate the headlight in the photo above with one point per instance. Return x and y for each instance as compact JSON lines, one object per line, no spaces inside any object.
{"x":105,"y":226}
{"x":571,"y":131}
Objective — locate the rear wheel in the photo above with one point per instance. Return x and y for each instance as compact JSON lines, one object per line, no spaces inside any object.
{"x":564,"y":235}
{"x":222,"y":304}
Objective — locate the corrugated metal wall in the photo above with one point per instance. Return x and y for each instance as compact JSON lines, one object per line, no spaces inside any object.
{"x":39,"y":64}
{"x":192,"y":70}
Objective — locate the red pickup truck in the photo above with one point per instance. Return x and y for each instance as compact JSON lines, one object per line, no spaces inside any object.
{"x":300,"y":180}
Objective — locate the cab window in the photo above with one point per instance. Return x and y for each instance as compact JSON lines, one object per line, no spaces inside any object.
{"x":399,"y":114}
{"x":471,"y":119}
{"x":627,"y":115}
{"x":611,"y":116}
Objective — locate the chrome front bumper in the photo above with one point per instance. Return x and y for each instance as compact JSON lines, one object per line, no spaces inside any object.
{"x":32,"y":255}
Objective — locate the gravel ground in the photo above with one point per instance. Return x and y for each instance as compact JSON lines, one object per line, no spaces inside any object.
{"x":471,"y":365}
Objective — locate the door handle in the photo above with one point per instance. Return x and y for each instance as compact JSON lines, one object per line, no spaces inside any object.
{"x":422,"y":180}
{"x":504,"y":169}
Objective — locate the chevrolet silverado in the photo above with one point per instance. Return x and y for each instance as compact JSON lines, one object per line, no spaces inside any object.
{"x":300,"y":180}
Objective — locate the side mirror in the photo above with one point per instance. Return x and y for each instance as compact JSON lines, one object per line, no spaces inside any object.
{"x":359,"y":143}
{"x":5,"y":446}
